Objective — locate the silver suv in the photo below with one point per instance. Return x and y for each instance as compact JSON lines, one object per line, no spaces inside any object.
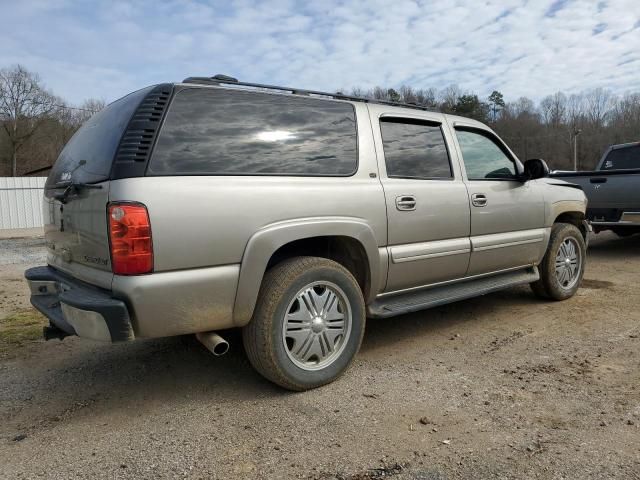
{"x":211,"y":204}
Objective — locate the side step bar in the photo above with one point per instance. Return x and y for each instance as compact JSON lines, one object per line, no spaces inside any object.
{"x":432,"y":297}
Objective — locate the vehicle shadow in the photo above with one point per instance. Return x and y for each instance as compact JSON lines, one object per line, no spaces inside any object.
{"x":174,"y":371}
{"x":608,"y":246}
{"x":441,"y":321}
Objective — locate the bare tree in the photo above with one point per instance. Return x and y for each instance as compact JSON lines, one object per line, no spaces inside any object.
{"x":24,"y":105}
{"x":427,"y":98}
{"x":380,"y":93}
{"x":554,"y":108}
{"x":575,"y":109}
{"x":523,"y":107}
{"x":358,"y":92}
{"x":449,"y":97}
{"x":88,"y":109}
{"x":407,"y":94}
{"x":598,"y":103}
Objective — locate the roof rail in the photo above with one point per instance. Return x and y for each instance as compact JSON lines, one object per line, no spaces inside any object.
{"x":220,"y":79}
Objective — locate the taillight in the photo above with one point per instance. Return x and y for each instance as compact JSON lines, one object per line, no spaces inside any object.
{"x":130,"y":239}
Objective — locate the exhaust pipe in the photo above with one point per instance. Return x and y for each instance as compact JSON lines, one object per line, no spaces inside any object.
{"x":214,"y":342}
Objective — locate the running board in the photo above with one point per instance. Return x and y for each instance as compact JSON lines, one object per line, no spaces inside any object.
{"x":413,"y":301}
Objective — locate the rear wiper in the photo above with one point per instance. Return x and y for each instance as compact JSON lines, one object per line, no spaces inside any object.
{"x":69,"y":188}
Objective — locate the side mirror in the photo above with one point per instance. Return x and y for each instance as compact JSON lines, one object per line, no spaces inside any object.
{"x":535,"y":168}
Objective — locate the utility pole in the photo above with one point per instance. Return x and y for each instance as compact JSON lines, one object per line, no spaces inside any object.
{"x":576,"y":132}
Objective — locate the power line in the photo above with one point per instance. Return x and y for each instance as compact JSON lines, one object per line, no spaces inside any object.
{"x":64,"y":107}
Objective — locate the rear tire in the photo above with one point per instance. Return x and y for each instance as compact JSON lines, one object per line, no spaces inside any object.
{"x":308,"y":323}
{"x":562,"y":267}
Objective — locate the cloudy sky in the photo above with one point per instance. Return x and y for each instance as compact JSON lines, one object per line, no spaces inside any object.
{"x":106,"y":49}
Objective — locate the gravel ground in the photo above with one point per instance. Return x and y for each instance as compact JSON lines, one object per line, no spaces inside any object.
{"x":503,"y":386}
{"x":20,"y":251}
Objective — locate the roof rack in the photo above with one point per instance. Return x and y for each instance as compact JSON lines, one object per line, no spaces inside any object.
{"x":220,"y":79}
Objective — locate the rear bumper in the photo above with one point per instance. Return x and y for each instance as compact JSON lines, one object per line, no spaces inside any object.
{"x":78,"y":309}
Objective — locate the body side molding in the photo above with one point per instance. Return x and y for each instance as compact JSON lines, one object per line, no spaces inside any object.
{"x":507,"y":239}
{"x":423,"y":250}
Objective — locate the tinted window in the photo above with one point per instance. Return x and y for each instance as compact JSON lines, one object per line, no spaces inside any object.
{"x":483,"y":158}
{"x":414,"y":150}
{"x":621,"y":158}
{"x":215,"y":131}
{"x":96,"y":143}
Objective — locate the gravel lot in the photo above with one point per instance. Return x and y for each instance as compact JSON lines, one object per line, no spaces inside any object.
{"x":503,"y":386}
{"x":20,"y":251}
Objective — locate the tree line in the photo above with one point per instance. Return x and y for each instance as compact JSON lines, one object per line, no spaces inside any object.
{"x":35,"y":124}
{"x":591,"y":120}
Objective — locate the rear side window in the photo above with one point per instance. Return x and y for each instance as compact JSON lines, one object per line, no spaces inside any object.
{"x":622,"y":158}
{"x":414,"y":149}
{"x":226,"y":132}
{"x":96,"y":143}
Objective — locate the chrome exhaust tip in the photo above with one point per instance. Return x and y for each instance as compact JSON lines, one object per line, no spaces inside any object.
{"x":213,"y":342}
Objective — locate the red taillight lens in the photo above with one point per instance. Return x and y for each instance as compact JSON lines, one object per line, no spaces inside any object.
{"x":130,"y":237}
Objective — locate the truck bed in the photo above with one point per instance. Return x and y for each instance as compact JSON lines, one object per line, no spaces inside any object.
{"x":614,"y":196}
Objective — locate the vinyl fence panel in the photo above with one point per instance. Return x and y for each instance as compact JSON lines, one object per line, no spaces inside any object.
{"x":21,"y":202}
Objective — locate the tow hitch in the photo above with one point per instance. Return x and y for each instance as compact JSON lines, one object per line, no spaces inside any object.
{"x":51,"y":332}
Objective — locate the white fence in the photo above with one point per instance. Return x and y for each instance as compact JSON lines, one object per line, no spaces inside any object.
{"x":21,"y":202}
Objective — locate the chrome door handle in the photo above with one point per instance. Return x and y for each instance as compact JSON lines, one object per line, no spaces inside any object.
{"x":406,"y":202}
{"x":478,"y":200}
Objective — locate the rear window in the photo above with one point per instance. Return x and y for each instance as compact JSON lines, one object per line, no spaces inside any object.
{"x":622,"y":158}
{"x":226,"y":132}
{"x":96,"y":143}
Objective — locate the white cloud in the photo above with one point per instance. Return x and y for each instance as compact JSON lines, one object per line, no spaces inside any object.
{"x":106,"y":49}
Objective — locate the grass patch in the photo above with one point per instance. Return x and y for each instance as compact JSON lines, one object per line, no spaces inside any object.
{"x":20,"y":328}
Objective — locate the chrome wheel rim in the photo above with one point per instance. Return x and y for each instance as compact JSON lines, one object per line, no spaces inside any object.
{"x":568,"y":263}
{"x":317,"y":325}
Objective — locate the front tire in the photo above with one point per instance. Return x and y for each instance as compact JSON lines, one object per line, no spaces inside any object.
{"x":308,"y":323}
{"x":562,"y":267}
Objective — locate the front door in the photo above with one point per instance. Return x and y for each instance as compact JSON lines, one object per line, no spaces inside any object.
{"x":507,"y":214}
{"x":427,"y":201}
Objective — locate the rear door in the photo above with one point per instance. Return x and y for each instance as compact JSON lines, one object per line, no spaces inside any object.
{"x":76,"y":223}
{"x":427,"y":202}
{"x":507,"y":214}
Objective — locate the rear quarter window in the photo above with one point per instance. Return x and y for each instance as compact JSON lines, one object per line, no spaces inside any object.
{"x":227,"y":132}
{"x":622,"y":158}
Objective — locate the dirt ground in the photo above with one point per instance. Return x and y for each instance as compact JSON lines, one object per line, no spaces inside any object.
{"x":502,"y":386}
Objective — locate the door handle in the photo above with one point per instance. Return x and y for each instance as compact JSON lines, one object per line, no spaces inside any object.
{"x":406,"y":202}
{"x":598,"y":180}
{"x":479,"y":200}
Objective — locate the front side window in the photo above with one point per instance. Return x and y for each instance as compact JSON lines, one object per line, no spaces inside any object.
{"x":622,"y":158}
{"x":414,"y":149}
{"x":229,"y":132}
{"x":483,"y":157}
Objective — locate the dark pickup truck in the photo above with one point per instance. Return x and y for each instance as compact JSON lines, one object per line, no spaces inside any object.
{"x":613,"y":189}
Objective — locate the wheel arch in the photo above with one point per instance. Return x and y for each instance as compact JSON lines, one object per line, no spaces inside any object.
{"x":349,"y":241}
{"x":569,"y":211}
{"x":574,"y":218}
